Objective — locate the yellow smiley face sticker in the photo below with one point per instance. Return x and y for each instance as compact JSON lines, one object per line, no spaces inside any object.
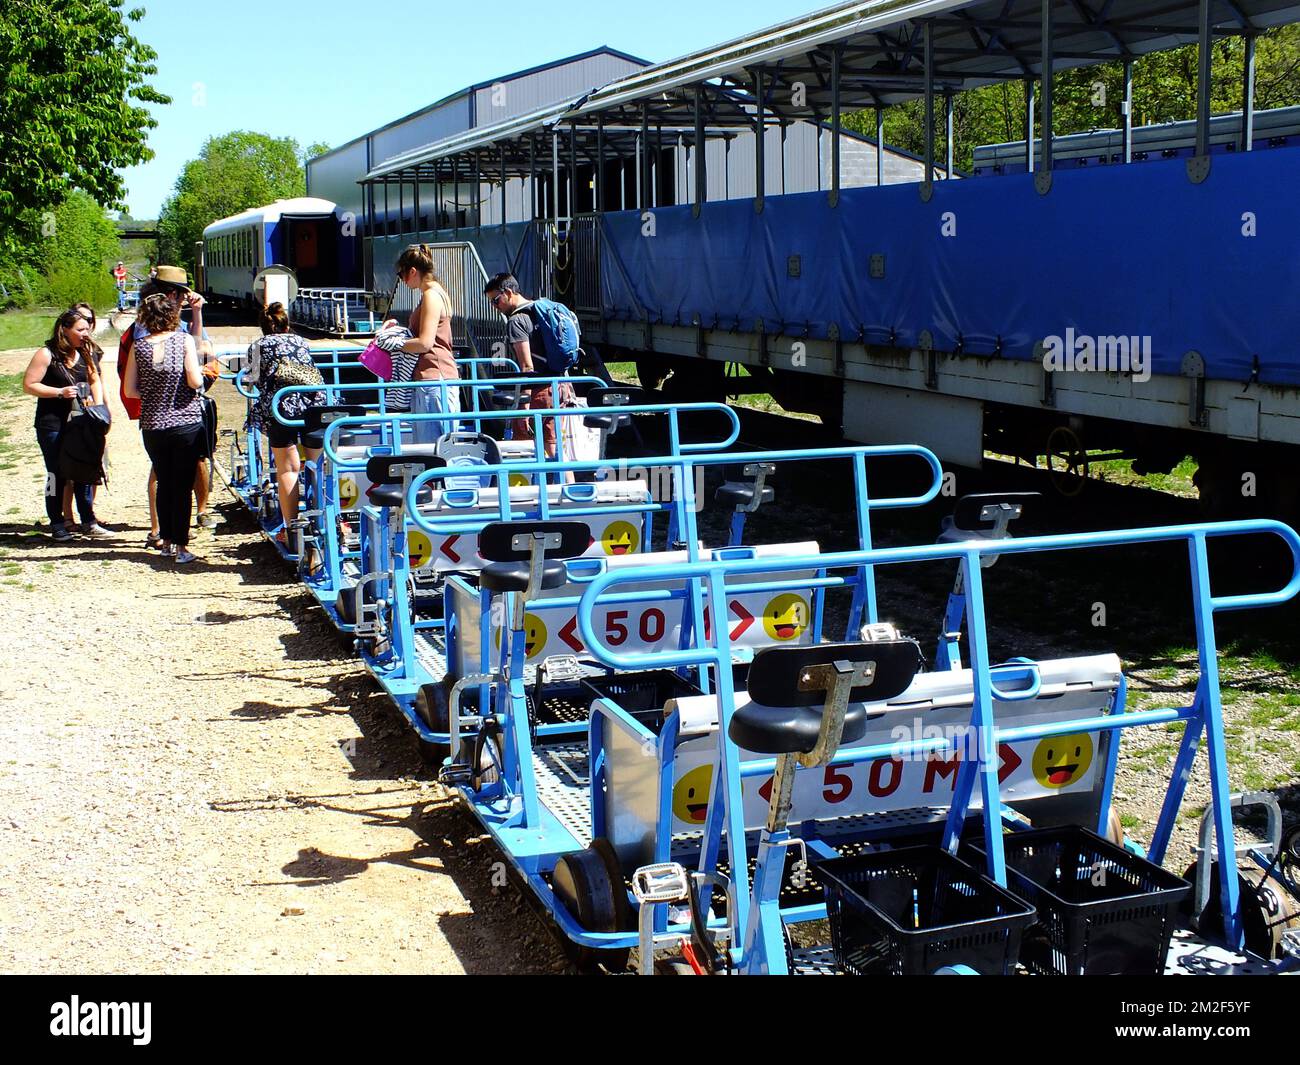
{"x":518,"y":480}
{"x":786,"y":617}
{"x":620,"y":538}
{"x":691,"y":795}
{"x":418,"y":548}
{"x":348,"y":494}
{"x":534,"y":635}
{"x":1060,"y":761}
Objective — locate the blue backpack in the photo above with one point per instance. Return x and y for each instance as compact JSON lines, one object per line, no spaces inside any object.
{"x":560,"y":332}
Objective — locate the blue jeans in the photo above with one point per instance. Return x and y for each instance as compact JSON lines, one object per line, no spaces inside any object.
{"x":428,"y":400}
{"x":54,"y":484}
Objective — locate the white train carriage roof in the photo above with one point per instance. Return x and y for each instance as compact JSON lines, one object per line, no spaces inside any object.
{"x":298,"y":207}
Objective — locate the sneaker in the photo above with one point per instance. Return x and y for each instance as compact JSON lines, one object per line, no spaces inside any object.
{"x":167,"y":550}
{"x":96,"y":532}
{"x":60,"y":534}
{"x":205,"y":521}
{"x":184,"y":557}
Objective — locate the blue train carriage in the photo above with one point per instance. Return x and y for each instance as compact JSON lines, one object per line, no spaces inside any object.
{"x":945,"y":820}
{"x":309,"y":236}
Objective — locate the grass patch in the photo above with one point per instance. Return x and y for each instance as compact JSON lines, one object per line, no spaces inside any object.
{"x":1129,"y":821}
{"x":10,"y":569}
{"x":1266,"y":714}
{"x":25,"y":329}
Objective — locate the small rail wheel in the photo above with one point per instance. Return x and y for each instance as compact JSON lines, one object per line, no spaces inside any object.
{"x":432,"y":708}
{"x":345,"y":605}
{"x":589,"y":885}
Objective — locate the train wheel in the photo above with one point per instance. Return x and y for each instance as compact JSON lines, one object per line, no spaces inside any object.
{"x":651,"y":373}
{"x":1267,"y":910}
{"x":1067,"y":461}
{"x":589,"y":885}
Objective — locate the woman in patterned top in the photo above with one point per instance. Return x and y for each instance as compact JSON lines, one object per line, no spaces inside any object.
{"x":163,"y":372}
{"x":282,"y":358}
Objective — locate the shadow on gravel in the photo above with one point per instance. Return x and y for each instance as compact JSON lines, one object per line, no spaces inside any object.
{"x":500,"y":933}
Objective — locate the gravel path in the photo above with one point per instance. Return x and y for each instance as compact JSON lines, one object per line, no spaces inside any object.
{"x":196,"y":776}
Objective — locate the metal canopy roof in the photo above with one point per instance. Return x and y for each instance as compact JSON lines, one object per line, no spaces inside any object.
{"x":881,"y":62}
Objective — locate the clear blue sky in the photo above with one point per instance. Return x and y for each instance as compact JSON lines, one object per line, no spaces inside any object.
{"x":353,"y":65}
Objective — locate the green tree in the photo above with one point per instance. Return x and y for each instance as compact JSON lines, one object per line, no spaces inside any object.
{"x":79,"y":251}
{"x":69,"y":73}
{"x":232,"y":173}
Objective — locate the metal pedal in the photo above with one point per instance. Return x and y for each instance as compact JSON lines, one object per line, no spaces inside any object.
{"x":559,"y":668}
{"x":879,"y":631}
{"x":660,"y":883}
{"x":455,"y":775}
{"x":1291,"y":943}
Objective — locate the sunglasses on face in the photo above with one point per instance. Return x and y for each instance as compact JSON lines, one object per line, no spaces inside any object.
{"x":494,"y":300}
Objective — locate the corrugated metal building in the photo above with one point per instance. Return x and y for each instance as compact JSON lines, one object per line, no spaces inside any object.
{"x":335,"y":175}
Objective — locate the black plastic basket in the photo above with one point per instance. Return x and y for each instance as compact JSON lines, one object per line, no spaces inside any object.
{"x":914,"y":910}
{"x":643,"y":695}
{"x":1101,"y":909}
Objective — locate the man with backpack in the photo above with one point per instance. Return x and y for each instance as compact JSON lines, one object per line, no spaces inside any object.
{"x":543,"y":337}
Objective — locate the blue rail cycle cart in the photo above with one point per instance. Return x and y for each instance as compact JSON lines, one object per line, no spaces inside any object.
{"x":513,"y":720}
{"x":974,"y":848}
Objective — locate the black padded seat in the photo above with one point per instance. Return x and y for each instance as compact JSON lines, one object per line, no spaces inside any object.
{"x":503,"y":399}
{"x":607,"y":421}
{"x":783,"y":718}
{"x":741,"y":494}
{"x":789,"y":729}
{"x":513,"y":576}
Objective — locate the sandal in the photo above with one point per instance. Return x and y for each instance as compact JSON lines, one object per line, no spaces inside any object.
{"x":153,"y":540}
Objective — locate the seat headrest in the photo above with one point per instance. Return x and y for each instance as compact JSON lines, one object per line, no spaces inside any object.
{"x":387,"y":469}
{"x":317,"y":418}
{"x":776,"y":672}
{"x":510,"y":541}
{"x":966,"y":514}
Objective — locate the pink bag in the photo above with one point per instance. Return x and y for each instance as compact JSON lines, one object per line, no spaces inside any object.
{"x":377,"y":361}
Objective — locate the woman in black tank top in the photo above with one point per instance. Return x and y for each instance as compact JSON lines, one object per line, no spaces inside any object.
{"x":56,"y":373}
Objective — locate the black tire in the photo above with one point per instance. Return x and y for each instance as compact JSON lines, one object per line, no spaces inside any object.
{"x":589,"y":885}
{"x":346,"y":604}
{"x":433,"y":707}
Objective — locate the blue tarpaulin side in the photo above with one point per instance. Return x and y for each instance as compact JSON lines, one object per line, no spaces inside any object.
{"x":991,"y":266}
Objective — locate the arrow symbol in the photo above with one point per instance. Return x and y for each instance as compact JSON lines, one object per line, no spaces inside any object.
{"x":746,"y":619}
{"x":1010,"y":761}
{"x":569,"y":634}
{"x":446,"y":547}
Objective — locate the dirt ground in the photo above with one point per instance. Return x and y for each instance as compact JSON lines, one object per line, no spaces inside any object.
{"x":195,"y":774}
